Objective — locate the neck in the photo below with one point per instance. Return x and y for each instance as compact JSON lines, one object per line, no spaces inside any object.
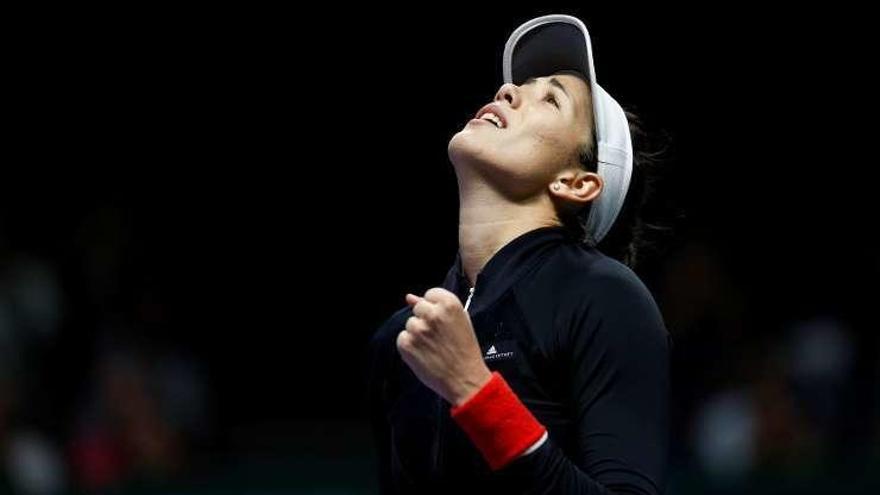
{"x":487,"y":221}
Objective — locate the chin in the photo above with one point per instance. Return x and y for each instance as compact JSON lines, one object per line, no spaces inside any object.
{"x":457,"y":146}
{"x":466,"y":147}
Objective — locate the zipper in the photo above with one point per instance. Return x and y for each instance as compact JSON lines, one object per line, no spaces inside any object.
{"x":438,"y":445}
{"x":470,"y":295}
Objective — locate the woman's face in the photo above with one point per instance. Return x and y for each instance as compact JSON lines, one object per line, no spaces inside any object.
{"x":528,"y":134}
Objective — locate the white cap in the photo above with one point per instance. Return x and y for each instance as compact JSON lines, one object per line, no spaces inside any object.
{"x":552,"y":43}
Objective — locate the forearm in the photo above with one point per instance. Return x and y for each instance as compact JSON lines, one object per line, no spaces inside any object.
{"x":516,"y":445}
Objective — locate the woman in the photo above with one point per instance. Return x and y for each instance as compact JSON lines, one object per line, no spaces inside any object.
{"x":552,"y":375}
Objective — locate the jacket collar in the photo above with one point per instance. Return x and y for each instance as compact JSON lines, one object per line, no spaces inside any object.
{"x":505,"y":267}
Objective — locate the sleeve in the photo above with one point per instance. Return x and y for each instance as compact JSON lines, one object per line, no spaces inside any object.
{"x":617,"y":359}
{"x":378,"y":358}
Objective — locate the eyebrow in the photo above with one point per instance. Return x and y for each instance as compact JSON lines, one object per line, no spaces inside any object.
{"x":553,"y":82}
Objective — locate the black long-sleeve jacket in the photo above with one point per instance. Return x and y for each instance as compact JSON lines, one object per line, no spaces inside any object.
{"x":581,"y":342}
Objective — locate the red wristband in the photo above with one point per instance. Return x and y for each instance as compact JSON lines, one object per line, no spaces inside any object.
{"x":497,"y":422}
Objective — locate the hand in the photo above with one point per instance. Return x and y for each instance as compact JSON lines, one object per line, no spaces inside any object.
{"x":441,"y":348}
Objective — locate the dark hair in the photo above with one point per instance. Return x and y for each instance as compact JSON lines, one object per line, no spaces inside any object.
{"x":634,"y":236}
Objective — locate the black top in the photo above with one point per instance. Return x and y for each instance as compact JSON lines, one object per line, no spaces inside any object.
{"x":580,"y":340}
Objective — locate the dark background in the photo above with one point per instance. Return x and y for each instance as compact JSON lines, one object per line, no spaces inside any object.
{"x":247,"y":195}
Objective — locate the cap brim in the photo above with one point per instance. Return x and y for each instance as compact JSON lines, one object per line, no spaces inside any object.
{"x":547,"y":45}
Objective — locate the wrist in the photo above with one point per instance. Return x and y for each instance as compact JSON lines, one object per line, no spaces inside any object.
{"x":498,"y":423}
{"x":469,"y":386}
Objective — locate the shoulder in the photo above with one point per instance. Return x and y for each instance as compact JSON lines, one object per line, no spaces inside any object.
{"x":382,"y":357}
{"x":580,"y":275}
{"x":383,"y":360}
{"x":595,"y":291}
{"x":384,"y":338}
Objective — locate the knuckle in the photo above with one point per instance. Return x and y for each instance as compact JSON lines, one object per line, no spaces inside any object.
{"x":448,"y":303}
{"x":435,"y":293}
{"x":430,"y":314}
{"x":413,"y":324}
{"x":420,"y":308}
{"x":416,"y":326}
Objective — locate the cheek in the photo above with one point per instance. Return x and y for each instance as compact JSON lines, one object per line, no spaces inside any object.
{"x":544,"y":152}
{"x":528,"y":157}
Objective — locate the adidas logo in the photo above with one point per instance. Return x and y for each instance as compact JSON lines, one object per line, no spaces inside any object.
{"x":492,"y":354}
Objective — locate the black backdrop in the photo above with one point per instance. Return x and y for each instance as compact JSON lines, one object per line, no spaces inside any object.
{"x":282,"y":177}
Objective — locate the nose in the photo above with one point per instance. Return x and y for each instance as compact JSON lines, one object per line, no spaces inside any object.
{"x":509,"y":93}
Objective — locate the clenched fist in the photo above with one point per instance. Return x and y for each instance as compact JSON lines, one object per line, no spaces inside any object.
{"x":440,"y":346}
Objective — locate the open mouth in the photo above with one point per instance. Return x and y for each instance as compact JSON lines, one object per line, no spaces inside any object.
{"x":492,"y":118}
{"x":492,"y":114}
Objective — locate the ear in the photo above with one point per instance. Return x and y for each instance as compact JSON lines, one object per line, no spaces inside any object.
{"x":577,"y":186}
